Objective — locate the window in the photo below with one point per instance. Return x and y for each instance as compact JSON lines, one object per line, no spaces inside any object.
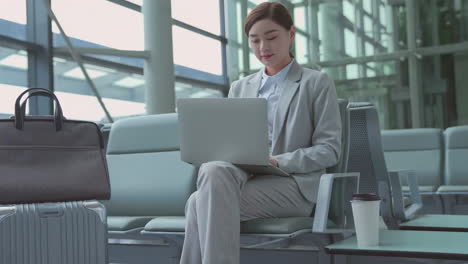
{"x":368,"y":26}
{"x":83,"y":20}
{"x":202,"y":14}
{"x":300,"y":18}
{"x":369,"y":49}
{"x":186,"y":90}
{"x":122,"y":92}
{"x":350,"y":40}
{"x":367,"y":4}
{"x":13,"y":78}
{"x":13,"y":10}
{"x":352,"y":71}
{"x":191,"y":49}
{"x":13,"y":18}
{"x":348,"y":11}
{"x":300,"y":42}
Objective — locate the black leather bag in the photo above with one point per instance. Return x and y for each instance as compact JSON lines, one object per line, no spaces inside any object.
{"x":50,"y":159}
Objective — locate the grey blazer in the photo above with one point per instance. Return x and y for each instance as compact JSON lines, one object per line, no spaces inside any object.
{"x":306,"y":135}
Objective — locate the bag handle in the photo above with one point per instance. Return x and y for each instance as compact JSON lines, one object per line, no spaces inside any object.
{"x":20,"y":109}
{"x":23,"y":104}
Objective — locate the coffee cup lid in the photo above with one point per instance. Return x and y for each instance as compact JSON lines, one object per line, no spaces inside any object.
{"x":365,"y":197}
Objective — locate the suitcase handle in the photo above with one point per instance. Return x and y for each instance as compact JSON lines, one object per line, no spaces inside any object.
{"x":20,"y":109}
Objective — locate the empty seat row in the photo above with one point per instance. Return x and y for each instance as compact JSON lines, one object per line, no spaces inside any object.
{"x":437,"y":158}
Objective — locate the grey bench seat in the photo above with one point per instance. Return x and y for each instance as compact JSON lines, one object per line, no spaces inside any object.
{"x":150,"y":186}
{"x":454,"y":192}
{"x":456,"y":159}
{"x":453,"y":189}
{"x":418,"y":150}
{"x":127,"y":223}
{"x":257,"y":226}
{"x":146,"y":175}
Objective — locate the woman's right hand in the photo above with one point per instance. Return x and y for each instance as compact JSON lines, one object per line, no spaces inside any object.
{"x":273,"y":161}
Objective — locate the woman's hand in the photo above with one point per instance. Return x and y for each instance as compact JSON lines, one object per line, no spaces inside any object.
{"x":273,"y":161}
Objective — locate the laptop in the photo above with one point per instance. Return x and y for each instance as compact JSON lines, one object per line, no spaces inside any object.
{"x":234,"y":130}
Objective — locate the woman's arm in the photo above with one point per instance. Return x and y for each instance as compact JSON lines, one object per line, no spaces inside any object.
{"x":326,"y":139}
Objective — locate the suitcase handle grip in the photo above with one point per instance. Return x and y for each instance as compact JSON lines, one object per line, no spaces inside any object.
{"x":47,"y":210}
{"x":20,"y":110}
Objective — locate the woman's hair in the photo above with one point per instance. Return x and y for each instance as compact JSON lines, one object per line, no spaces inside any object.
{"x":277,"y":12}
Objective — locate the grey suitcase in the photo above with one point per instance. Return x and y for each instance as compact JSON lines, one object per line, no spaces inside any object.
{"x":53,"y":233}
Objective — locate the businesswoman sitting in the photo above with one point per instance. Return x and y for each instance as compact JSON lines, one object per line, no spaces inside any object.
{"x":304,"y":133}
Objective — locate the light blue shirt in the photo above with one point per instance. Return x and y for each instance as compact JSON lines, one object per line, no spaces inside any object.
{"x":270,"y":89}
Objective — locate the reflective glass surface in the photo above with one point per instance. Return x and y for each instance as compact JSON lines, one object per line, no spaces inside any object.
{"x":13,"y":78}
{"x":122,"y":92}
{"x":201,"y":14}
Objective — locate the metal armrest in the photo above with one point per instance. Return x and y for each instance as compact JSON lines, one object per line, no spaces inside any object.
{"x":324,"y":198}
{"x":399,"y":209}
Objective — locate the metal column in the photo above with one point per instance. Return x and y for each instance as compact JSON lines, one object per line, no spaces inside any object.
{"x":415,"y":82}
{"x":233,"y":45}
{"x":40,"y":67}
{"x":159,"y":68}
{"x":312,"y":25}
{"x":333,"y":40}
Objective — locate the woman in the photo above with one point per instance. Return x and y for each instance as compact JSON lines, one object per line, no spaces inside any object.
{"x":305,"y":137}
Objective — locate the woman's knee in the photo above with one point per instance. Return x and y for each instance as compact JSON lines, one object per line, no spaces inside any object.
{"x":214,"y":172}
{"x":191,"y":204}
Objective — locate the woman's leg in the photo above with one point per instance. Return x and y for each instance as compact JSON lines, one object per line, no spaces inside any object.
{"x":215,"y":215}
{"x":191,"y":252}
{"x":273,"y":196}
{"x":227,"y":195}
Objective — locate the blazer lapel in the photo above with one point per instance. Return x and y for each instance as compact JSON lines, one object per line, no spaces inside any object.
{"x":253,"y":86}
{"x":290,"y":87}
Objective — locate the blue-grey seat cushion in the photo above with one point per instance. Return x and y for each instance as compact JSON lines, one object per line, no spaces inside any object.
{"x":456,"y":155}
{"x":144,"y":134}
{"x":453,"y":188}
{"x":126,"y":223}
{"x":146,"y":174}
{"x":149,"y":184}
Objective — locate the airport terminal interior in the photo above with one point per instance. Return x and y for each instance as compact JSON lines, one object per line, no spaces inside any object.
{"x":399,"y":64}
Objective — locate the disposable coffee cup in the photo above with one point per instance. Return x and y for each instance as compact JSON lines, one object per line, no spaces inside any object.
{"x":366,"y":208}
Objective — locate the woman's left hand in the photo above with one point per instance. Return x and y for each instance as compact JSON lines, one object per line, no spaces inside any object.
{"x":273,"y":162}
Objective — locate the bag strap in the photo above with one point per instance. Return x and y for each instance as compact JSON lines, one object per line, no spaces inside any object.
{"x":23,"y":104}
{"x":20,"y":109}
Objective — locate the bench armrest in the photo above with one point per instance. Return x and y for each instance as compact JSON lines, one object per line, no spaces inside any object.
{"x":399,"y":209}
{"x":324,"y":198}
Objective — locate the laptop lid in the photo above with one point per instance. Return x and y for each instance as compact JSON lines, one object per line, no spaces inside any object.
{"x":223,"y":129}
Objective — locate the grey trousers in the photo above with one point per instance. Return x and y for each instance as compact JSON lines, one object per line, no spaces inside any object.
{"x":225,"y":196}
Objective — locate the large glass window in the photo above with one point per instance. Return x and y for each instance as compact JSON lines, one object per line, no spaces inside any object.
{"x":443,"y":22}
{"x":13,"y":10}
{"x":13,"y":18}
{"x":187,"y":90}
{"x":122,"y":92}
{"x":302,"y":54}
{"x":13,"y":78}
{"x":102,"y":23}
{"x":195,"y":13}
{"x":196,"y":51}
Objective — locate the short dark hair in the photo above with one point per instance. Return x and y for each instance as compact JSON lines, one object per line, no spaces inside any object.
{"x":277,"y":12}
